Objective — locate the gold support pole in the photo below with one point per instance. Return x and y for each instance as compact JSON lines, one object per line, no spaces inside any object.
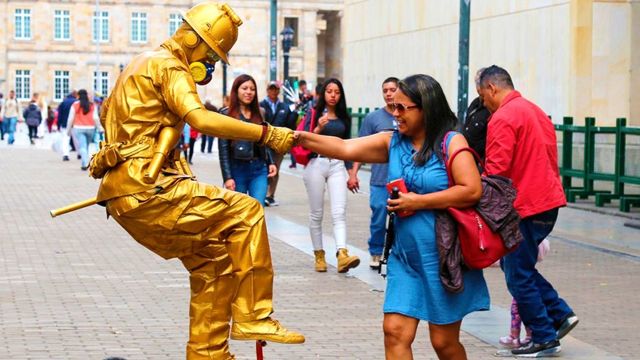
{"x":73,"y":207}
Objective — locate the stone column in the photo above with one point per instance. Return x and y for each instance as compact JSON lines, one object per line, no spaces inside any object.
{"x":309,"y":39}
{"x":634,"y":116}
{"x":581,"y":28}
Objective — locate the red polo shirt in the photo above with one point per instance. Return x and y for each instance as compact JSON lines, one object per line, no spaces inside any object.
{"x":521,"y":145}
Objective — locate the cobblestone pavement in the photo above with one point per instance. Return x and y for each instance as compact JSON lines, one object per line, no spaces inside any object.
{"x":78,"y":287}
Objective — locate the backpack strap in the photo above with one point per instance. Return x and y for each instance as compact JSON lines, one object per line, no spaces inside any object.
{"x":448,"y":161}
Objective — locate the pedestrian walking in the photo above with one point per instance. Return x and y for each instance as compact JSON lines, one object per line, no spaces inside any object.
{"x":375,"y":122}
{"x":474,"y":128}
{"x":82,"y":122}
{"x":33,"y":117}
{"x":246,"y":165}
{"x":276,"y":113}
{"x":414,"y":290}
{"x":63,"y":116}
{"x":10,"y":115}
{"x":329,"y":117}
{"x":521,"y":145}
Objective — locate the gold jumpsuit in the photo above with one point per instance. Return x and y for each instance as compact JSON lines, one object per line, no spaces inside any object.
{"x":220,"y":236}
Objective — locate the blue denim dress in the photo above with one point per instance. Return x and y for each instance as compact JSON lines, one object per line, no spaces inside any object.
{"x":413,"y":284}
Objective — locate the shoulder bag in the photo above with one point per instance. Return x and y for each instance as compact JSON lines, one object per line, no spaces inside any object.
{"x":480,"y":246}
{"x":299,"y":152}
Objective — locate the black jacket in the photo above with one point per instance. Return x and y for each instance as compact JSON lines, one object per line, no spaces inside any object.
{"x":226,"y":154}
{"x":282,"y":116}
{"x":475,"y":126}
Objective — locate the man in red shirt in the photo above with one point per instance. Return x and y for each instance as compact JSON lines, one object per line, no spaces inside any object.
{"x":521,"y":145}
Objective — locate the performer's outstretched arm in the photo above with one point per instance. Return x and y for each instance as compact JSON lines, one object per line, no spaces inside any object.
{"x":367,"y":149}
{"x":216,"y":124}
{"x":277,"y":138}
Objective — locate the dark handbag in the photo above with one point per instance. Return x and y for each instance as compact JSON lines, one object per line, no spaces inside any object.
{"x":243,"y":150}
{"x":480,"y":246}
{"x":301,"y":154}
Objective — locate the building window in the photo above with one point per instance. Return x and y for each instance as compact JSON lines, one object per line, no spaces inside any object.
{"x":100,"y":26}
{"x":139,"y":27}
{"x":62,"y":25}
{"x":175,"y":20}
{"x":22,"y":22}
{"x":101,"y":82}
{"x":60,"y":84}
{"x":293,"y":23}
{"x":23,"y":84}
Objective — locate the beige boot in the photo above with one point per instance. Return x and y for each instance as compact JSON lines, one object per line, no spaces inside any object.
{"x":321,"y":264}
{"x":346,"y":262}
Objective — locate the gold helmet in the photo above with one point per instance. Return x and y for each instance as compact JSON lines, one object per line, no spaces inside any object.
{"x":217,"y":24}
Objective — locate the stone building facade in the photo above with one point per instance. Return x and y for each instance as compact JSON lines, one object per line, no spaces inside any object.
{"x":572,"y":57}
{"x":51,"y":47}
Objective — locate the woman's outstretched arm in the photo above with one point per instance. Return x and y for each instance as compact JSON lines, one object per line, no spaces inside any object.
{"x":367,"y":149}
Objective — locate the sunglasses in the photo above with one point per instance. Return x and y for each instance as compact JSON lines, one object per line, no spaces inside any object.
{"x":399,"y":107}
{"x":213,"y":57}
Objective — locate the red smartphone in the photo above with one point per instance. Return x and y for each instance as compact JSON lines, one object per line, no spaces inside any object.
{"x":402,"y":187}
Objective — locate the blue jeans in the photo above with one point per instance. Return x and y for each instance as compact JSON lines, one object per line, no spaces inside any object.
{"x":9,"y":127}
{"x":85,"y":137}
{"x":539,"y":305}
{"x":377,"y":227}
{"x":251,"y":178}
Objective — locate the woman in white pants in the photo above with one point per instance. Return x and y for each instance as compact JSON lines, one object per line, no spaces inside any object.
{"x":329,"y":117}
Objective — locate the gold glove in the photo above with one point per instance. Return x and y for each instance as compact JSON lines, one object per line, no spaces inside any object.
{"x":279,"y":139}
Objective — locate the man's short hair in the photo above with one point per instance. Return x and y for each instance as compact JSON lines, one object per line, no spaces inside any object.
{"x":302,"y":82}
{"x":476,"y":78}
{"x":497,"y":76}
{"x":392,"y":79}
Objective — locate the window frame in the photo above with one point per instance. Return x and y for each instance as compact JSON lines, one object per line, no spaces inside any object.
{"x":175,"y":19}
{"x":59,"y":17}
{"x":60,"y":91}
{"x":22,"y":31}
{"x":137,"y":21}
{"x":19,"y":84}
{"x":99,"y":21}
{"x":103,"y":87}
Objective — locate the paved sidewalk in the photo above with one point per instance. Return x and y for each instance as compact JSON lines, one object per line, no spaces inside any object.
{"x":78,"y":287}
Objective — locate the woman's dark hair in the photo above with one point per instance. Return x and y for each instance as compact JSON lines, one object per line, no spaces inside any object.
{"x":234,"y":101}
{"x":85,"y":104}
{"x":341,"y":106}
{"x":438,"y":119}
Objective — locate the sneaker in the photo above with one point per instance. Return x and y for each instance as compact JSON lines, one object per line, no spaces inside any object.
{"x":65,"y":158}
{"x":374,"y":262}
{"x":570,"y":321}
{"x":265,"y":329}
{"x":270,"y":201}
{"x":533,"y":350}
{"x":292,"y":166}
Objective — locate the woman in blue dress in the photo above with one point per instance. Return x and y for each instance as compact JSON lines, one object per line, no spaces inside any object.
{"x":414,"y":291}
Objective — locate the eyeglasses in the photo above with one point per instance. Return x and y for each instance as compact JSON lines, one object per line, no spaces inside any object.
{"x":399,"y":107}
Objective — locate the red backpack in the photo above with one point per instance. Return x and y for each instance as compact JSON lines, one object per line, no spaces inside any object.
{"x":299,"y":152}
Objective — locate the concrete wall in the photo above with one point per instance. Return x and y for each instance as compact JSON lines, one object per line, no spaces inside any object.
{"x":572,"y":57}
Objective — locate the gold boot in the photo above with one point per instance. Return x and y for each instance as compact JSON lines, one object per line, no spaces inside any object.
{"x":265,"y":329}
{"x":346,"y":262}
{"x":321,"y":264}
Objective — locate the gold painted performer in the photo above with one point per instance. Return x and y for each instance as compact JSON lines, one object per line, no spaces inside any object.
{"x":219,"y":235}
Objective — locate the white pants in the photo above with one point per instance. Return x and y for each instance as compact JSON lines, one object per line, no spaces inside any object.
{"x":321,"y":171}
{"x":64,"y":142}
